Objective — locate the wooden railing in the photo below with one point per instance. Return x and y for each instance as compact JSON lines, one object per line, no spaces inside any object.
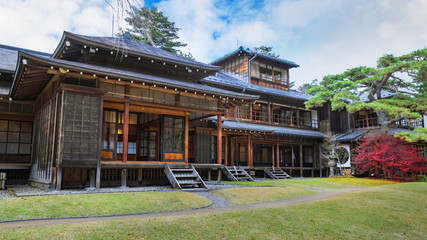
{"x":374,"y":123}
{"x":276,"y":119}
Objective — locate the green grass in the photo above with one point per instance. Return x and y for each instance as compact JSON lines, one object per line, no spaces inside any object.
{"x":97,"y":204}
{"x":365,"y":182}
{"x":395,"y":211}
{"x":320,"y":183}
{"x":304,"y":183}
{"x":250,"y":195}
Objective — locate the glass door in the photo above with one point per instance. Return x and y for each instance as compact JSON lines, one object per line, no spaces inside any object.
{"x":172,"y":136}
{"x":147,"y":145}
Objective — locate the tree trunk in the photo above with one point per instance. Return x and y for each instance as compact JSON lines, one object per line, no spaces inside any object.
{"x":382,"y":118}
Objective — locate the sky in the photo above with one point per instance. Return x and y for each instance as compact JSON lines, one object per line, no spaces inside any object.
{"x":323,"y":37}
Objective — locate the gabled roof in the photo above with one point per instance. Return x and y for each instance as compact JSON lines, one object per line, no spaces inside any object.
{"x":223,"y":80}
{"x":9,"y":56}
{"x":131,"y":47}
{"x":276,"y":130}
{"x":241,"y":50}
{"x":112,"y":72}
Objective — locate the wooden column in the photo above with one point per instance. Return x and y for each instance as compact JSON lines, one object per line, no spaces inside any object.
{"x":58,"y":178}
{"x":269,"y":113}
{"x":125,"y":132}
{"x":124,"y":177}
{"x":92,"y":177}
{"x":298,"y":120}
{"x":292,"y":119}
{"x":272,"y":155}
{"x":292,"y":157}
{"x":232,"y":151}
{"x":219,"y":140}
{"x":300,"y":159}
{"x":249,"y":151}
{"x":139,"y":175}
{"x":226,"y":151}
{"x":277,"y":155}
{"x":250,"y":111}
{"x":187,"y":127}
{"x":219,"y":177}
{"x":98,"y":164}
{"x":98,"y":176}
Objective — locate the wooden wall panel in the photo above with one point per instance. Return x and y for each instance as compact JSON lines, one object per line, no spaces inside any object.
{"x":204,"y":145}
{"x":81,"y":129}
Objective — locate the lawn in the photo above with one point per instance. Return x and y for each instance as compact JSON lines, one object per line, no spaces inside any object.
{"x":395,"y":211}
{"x":97,"y":204}
{"x":249,"y":195}
{"x":303,"y":183}
{"x":320,"y":183}
{"x":365,"y":182}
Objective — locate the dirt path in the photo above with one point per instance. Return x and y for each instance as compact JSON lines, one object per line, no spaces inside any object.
{"x":308,"y":198}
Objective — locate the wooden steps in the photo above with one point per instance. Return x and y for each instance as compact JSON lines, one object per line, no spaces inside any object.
{"x":276,"y":173}
{"x":184,"y":177}
{"x":237,"y":173}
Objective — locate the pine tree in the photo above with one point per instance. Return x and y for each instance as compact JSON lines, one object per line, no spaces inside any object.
{"x":151,"y":27}
{"x":405,"y":76}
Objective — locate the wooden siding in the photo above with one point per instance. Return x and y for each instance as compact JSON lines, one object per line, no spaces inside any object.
{"x":44,"y":144}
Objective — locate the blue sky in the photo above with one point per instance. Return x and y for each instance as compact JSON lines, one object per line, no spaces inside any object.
{"x":323,"y":37}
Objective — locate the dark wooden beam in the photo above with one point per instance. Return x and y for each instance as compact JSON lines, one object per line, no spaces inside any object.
{"x":186,"y":130}
{"x":219,"y":140}
{"x":125,"y":132}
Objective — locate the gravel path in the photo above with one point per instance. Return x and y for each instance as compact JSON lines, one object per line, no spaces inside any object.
{"x":26,"y":190}
{"x":217,"y":201}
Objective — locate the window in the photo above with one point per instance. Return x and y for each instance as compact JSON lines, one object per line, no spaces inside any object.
{"x":305,"y":118}
{"x":15,"y":137}
{"x":109,"y":130}
{"x":265,"y":74}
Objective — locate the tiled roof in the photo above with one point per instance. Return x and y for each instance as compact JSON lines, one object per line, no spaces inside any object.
{"x":354,"y":136}
{"x":222,"y":79}
{"x":384,"y":94}
{"x":244,"y":126}
{"x":112,"y":72}
{"x":248,"y":51}
{"x":349,"y":137}
{"x":134,"y":47}
{"x":9,"y":56}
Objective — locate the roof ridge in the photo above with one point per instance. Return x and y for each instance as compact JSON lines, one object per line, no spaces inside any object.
{"x":9,"y":47}
{"x":247,"y":50}
{"x":178,"y":58}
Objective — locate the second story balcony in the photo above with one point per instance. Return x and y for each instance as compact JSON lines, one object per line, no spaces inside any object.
{"x":272,"y":119}
{"x":373,"y":122}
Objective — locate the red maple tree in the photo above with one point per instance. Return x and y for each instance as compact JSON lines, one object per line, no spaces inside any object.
{"x":389,"y":157}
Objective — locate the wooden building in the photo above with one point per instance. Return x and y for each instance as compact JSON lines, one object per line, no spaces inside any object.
{"x":107,"y":111}
{"x":276,"y":130}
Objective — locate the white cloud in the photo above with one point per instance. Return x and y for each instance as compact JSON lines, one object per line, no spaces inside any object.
{"x":323,"y":37}
{"x":38,"y":25}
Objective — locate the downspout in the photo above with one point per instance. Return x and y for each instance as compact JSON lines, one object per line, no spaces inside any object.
{"x":249,"y":68}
